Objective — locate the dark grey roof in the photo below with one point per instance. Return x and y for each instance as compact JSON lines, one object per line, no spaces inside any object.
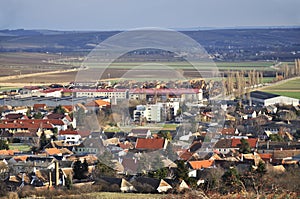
{"x":262,"y":95}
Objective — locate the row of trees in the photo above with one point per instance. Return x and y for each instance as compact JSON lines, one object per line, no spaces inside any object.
{"x":236,"y":81}
{"x":288,"y":71}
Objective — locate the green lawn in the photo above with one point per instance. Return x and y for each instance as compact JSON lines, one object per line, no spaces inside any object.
{"x":20,"y":147}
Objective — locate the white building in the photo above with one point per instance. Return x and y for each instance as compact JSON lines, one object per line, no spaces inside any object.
{"x":105,"y":93}
{"x":152,"y":113}
{"x":266,"y":99}
{"x":69,"y":137}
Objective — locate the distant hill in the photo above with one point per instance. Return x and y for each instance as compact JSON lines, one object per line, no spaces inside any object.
{"x":223,"y":44}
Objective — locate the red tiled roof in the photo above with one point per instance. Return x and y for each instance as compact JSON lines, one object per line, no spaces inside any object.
{"x":68,"y":132}
{"x":36,"y":121}
{"x":51,"y":90}
{"x":178,"y":91}
{"x":186,"y":155}
{"x":55,"y":116}
{"x":39,"y":106}
{"x":228,"y":131}
{"x":200,"y":164}
{"x":25,"y":125}
{"x":12,"y":116}
{"x":126,"y":145}
{"x":252,"y":142}
{"x":148,"y":143}
{"x":265,"y":156}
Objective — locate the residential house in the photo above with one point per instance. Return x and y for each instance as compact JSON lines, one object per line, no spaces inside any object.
{"x":144,"y":144}
{"x":39,"y":107}
{"x":5,"y":135}
{"x":120,"y":184}
{"x":225,"y":146}
{"x":29,"y":137}
{"x":140,"y":133}
{"x":229,"y":132}
{"x":199,"y":165}
{"x":150,"y":185}
{"x":97,"y":105}
{"x":63,"y":117}
{"x":69,"y":137}
{"x":91,"y":146}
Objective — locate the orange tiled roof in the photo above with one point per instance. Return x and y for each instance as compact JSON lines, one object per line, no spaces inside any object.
{"x":8,"y":152}
{"x":69,"y":108}
{"x":52,"y":151}
{"x":148,"y":143}
{"x":265,"y":156}
{"x":20,"y":158}
{"x":98,"y":102}
{"x":200,"y":164}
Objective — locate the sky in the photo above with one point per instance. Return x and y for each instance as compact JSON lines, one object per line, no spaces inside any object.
{"x":130,"y":14}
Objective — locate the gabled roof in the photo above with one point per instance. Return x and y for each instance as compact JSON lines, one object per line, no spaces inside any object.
{"x":55,"y":116}
{"x":97,"y":103}
{"x":223,"y":143}
{"x":265,"y":156}
{"x":39,"y":106}
{"x":150,"y":143}
{"x":68,"y":132}
{"x":200,"y":164}
{"x":252,"y":142}
{"x":130,"y":165}
{"x":195,"y":146}
{"x":13,"y":116}
{"x":93,"y":143}
{"x":185,"y":155}
{"x":21,"y":158}
{"x":228,"y":131}
{"x":68,"y":108}
{"x":8,"y":152}
{"x":53,"y":151}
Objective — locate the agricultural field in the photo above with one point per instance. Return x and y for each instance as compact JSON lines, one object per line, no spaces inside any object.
{"x":289,"y":88}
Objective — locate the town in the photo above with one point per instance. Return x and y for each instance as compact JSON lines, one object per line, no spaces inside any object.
{"x":148,"y":137}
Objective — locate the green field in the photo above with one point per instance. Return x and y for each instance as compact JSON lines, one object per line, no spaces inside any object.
{"x":290,"y":88}
{"x":185,"y":65}
{"x":289,"y":85}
